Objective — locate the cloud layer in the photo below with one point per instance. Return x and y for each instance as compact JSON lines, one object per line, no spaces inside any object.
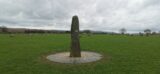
{"x":103,"y":15}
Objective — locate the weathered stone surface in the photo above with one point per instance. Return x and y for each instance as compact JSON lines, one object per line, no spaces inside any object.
{"x":64,"y":57}
{"x":75,"y":44}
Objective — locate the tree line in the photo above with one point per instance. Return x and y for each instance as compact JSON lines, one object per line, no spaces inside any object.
{"x":146,"y":32}
{"x":123,"y":31}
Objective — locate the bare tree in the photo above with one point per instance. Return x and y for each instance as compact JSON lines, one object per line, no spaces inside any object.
{"x":147,"y":32}
{"x":123,"y":30}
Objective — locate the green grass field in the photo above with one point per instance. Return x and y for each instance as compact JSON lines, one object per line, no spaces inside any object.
{"x":24,"y":54}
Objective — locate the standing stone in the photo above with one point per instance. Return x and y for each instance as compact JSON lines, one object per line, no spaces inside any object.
{"x":75,"y":43}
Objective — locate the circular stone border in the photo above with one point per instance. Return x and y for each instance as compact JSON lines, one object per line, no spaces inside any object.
{"x":63,"y":57}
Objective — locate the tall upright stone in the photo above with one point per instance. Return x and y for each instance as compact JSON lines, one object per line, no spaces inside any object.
{"x":75,"y":43}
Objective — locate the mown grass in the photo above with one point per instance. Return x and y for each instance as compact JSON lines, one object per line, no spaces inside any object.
{"x":23,"y":54}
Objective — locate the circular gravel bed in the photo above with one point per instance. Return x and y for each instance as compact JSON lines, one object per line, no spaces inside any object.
{"x":63,"y":57}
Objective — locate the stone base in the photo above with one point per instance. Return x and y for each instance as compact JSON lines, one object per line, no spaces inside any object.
{"x":63,"y":57}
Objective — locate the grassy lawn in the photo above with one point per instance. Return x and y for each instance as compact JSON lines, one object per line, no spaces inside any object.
{"x":23,"y":54}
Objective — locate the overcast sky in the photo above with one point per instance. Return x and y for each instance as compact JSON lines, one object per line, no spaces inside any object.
{"x":102,"y":15}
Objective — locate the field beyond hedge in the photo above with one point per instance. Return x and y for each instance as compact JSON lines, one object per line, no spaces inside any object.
{"x":24,"y":54}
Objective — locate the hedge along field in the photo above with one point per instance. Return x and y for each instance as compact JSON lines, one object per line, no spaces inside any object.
{"x":24,"y":54}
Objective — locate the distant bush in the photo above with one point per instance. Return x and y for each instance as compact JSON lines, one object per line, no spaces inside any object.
{"x":4,"y":29}
{"x":123,"y":30}
{"x":147,"y":32}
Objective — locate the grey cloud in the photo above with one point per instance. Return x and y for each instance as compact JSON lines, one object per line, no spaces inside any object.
{"x":105,"y":15}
